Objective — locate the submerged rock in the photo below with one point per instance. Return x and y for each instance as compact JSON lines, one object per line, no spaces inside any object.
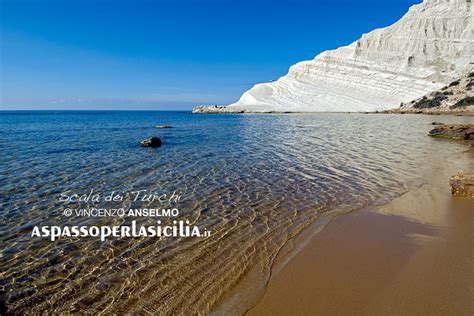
{"x":437,"y":123}
{"x":163,"y":126}
{"x":151,"y":142}
{"x":454,"y":131}
{"x":462,"y":185}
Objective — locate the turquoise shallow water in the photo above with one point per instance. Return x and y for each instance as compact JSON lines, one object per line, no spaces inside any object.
{"x":255,"y":181}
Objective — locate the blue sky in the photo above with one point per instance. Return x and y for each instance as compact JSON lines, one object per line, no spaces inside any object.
{"x":105,"y":54}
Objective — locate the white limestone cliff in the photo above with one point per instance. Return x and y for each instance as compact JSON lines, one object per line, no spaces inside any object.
{"x":426,"y":49}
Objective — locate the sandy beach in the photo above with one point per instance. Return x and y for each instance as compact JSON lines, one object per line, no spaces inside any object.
{"x":237,"y":158}
{"x":413,"y":256}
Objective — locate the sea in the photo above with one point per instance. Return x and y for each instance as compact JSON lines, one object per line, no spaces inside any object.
{"x":255,"y":182}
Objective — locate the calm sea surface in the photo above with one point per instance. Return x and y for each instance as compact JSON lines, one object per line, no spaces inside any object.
{"x":254,"y":181}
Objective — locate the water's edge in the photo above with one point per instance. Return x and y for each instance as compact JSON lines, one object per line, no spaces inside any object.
{"x":234,"y":303}
{"x":264,"y":185}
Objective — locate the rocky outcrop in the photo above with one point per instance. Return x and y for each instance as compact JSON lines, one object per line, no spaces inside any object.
{"x":462,"y":185}
{"x":458,"y":96}
{"x":153,"y":142}
{"x":454,"y":131}
{"x":206,"y":109}
{"x":425,"y":50}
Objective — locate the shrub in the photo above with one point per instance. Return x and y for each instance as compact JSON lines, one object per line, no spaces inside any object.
{"x":470,"y":84}
{"x":463,"y":103}
{"x":427,"y":103}
{"x":454,"y":83}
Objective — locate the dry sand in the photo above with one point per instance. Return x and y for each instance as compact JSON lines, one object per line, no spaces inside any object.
{"x":413,"y":256}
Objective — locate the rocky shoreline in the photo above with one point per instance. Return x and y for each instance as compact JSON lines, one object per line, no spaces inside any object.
{"x":460,"y":112}
{"x":453,"y":131}
{"x":212,"y":109}
{"x":462,"y":184}
{"x":217,"y":109}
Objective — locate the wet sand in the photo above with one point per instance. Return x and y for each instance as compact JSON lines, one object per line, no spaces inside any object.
{"x":413,"y":256}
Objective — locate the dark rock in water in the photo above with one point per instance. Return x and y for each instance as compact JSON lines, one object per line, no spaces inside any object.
{"x":151,"y":142}
{"x":437,"y":123}
{"x":462,"y":185}
{"x":455,"y":131}
{"x":163,"y":126}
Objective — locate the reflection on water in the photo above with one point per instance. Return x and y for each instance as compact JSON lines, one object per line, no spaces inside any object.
{"x":255,"y":180}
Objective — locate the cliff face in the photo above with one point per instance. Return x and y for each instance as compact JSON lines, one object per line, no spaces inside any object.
{"x":425,"y":50}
